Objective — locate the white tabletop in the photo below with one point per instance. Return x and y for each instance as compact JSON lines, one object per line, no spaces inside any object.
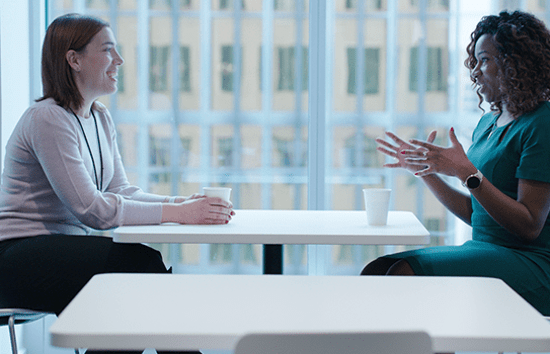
{"x":185,"y":312}
{"x":287,"y":227}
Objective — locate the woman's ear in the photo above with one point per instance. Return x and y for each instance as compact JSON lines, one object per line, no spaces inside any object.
{"x":72,"y":59}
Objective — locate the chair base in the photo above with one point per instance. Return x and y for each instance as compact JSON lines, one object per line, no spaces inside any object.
{"x":17,"y":316}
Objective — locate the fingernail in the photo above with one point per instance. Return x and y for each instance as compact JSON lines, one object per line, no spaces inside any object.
{"x":452,"y":129}
{"x":402,"y":152}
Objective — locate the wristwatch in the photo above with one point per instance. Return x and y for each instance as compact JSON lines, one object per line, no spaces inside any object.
{"x":473,"y":181}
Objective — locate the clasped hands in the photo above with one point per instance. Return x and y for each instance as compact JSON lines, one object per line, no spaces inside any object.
{"x":198,"y":209}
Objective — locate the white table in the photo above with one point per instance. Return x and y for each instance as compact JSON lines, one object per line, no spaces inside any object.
{"x":277,"y":227}
{"x":287,"y":227}
{"x":186,"y":312}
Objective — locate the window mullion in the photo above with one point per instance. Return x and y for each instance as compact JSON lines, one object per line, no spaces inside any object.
{"x":267,"y":102}
{"x":175,"y":149}
{"x":237,"y":82}
{"x":298,"y":83}
{"x":143,"y":92}
{"x":206,"y":87}
{"x":422,"y":87}
{"x":360,"y":94}
{"x":317,"y":107}
{"x":318,"y":255}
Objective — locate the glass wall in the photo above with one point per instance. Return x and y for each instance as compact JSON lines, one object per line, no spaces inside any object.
{"x":216,"y":92}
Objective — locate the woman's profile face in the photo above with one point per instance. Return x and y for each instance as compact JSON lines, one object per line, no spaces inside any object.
{"x":99,"y":64}
{"x":486,"y":70}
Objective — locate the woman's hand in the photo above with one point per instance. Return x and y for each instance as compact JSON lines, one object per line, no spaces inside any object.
{"x":178,"y":200}
{"x":430,"y":158}
{"x":199,"y":210}
{"x":195,"y":196}
{"x":395,"y":151}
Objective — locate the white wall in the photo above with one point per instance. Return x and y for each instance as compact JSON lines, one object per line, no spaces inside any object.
{"x":14,"y":65}
{"x":14,"y":82}
{"x":17,"y":32}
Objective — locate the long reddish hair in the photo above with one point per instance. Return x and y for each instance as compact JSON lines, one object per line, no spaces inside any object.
{"x":67,"y":32}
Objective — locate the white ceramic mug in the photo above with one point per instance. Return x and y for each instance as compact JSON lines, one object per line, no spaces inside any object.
{"x":377,"y":202}
{"x":220,"y":192}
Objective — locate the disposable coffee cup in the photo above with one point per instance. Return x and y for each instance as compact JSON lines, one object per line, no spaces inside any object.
{"x":220,"y":192}
{"x":377,"y":202}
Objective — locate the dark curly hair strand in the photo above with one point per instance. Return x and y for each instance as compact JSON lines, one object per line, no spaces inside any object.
{"x":523,"y":43}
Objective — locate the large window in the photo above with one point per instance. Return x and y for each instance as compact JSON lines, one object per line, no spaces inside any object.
{"x":220,"y":93}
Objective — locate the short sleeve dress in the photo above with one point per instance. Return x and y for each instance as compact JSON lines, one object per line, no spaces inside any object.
{"x":519,"y":150}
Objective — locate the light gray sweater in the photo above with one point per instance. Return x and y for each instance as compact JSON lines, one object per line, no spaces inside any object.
{"x":48,"y":184}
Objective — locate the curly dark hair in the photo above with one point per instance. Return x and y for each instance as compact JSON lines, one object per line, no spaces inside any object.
{"x":523,"y":44}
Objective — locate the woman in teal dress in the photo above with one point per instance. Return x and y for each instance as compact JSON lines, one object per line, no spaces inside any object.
{"x":506,"y":170}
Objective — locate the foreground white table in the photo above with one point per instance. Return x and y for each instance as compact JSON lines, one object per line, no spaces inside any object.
{"x":287,"y":227}
{"x":186,"y":312}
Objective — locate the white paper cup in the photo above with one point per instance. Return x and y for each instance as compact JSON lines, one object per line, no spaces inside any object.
{"x":377,"y":202}
{"x":220,"y":192}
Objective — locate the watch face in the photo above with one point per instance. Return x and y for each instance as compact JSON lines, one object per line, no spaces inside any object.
{"x":473,"y":182}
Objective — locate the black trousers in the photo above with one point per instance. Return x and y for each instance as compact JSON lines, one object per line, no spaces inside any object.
{"x":45,"y":273}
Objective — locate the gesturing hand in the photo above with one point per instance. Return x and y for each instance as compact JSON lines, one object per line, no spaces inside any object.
{"x":430,"y":158}
{"x":396,"y":150}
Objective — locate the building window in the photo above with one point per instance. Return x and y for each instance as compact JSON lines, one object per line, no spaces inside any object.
{"x":97,"y":4}
{"x":185,"y":151}
{"x":305,"y":68}
{"x":228,"y":4}
{"x":225,"y":152}
{"x":158,"y":74}
{"x":227,"y":68}
{"x":432,"y":3}
{"x":224,"y":4}
{"x":287,"y":69}
{"x":185,"y":72}
{"x":372,"y":4}
{"x":284,"y":5}
{"x":436,"y":76}
{"x":371,"y":71}
{"x":433,"y":224}
{"x":349,"y":159}
{"x":370,"y":157}
{"x":120,"y":75}
{"x":160,"y":151}
{"x":284,"y":152}
{"x":221,"y":253}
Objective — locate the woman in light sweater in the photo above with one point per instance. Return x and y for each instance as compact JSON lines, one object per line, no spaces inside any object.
{"x":63,"y":176}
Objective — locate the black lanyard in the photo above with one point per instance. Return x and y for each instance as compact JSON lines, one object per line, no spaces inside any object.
{"x":98,"y":181}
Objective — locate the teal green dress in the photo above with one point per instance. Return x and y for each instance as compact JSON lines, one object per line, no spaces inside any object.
{"x":519,"y":150}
